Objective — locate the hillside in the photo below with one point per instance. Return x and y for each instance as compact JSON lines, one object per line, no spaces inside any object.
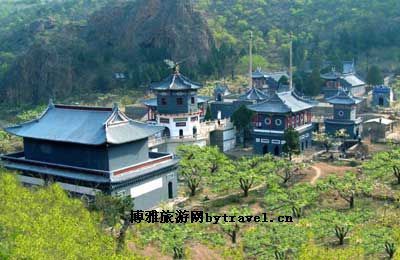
{"x":366,"y":31}
{"x":64,"y":48}
{"x":129,"y":37}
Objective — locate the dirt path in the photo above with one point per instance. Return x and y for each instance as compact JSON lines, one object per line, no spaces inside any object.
{"x":317,"y":174}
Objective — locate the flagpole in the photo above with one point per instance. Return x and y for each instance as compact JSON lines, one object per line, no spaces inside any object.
{"x":291,"y":64}
{"x":251,"y":60}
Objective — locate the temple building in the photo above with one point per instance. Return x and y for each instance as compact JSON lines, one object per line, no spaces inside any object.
{"x":224,"y":109}
{"x":379,"y":129}
{"x":348,"y":79}
{"x":382,"y":96}
{"x":221,"y":91}
{"x":344,"y":115}
{"x":177,"y":106}
{"x":94,"y":149}
{"x":276,"y":114}
{"x":332,"y":83}
{"x":269,"y":80}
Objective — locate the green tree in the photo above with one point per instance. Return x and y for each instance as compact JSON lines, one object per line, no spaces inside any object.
{"x":28,"y":115}
{"x":192,"y":168}
{"x":258,"y":62}
{"x":287,"y":169}
{"x":324,"y":139}
{"x":46,"y":224}
{"x":292,"y":144}
{"x":385,"y":165}
{"x":374,"y":76}
{"x":313,"y":83}
{"x":251,"y":171}
{"x":242,"y":119}
{"x":232,"y":229}
{"x":274,"y":241}
{"x":208,"y":115}
{"x":347,"y":186}
{"x":328,"y":223}
{"x":342,"y":135}
{"x":115,"y":210}
{"x":294,"y":199}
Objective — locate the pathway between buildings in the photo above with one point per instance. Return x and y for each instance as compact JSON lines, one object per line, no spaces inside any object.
{"x":317,"y":174}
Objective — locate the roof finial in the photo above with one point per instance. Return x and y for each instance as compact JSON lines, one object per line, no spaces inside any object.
{"x":115,"y":106}
{"x":176,"y":69}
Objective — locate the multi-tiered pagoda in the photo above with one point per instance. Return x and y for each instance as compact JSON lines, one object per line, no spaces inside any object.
{"x":177,"y":107}
{"x":344,"y":114}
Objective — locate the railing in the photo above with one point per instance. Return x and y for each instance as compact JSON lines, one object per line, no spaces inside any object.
{"x":198,"y":113}
{"x":20,"y":158}
{"x":204,"y":130}
{"x":154,"y":159}
{"x":142,"y":165}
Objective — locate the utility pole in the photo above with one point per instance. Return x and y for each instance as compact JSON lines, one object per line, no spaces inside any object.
{"x":291,"y":63}
{"x":251,"y":60}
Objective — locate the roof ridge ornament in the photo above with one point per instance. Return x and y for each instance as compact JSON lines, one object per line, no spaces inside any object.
{"x":115,"y":107}
{"x":51,"y":103}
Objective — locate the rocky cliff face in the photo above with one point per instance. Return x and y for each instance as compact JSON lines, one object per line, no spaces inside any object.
{"x":171,"y":28}
{"x":130,"y":37}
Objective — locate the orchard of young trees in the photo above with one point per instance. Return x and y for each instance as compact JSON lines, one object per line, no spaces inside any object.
{"x":342,"y":216}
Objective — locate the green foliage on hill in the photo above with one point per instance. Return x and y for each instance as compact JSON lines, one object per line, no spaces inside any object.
{"x":72,"y":47}
{"x":322,"y":29}
{"x":47,"y":224}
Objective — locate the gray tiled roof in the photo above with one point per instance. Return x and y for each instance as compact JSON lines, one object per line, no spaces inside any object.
{"x":253,"y":94}
{"x":175,"y":81}
{"x":284,"y":102}
{"x":222,"y":89}
{"x":274,"y":75}
{"x":151,"y":102}
{"x":84,"y":125}
{"x":381,"y":89}
{"x":258,"y":74}
{"x":203,"y":99}
{"x":331,"y":75}
{"x":348,"y":67}
{"x":343,"y":97}
{"x":353,"y":80}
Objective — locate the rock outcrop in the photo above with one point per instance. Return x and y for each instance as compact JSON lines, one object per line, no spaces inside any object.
{"x":130,"y":37}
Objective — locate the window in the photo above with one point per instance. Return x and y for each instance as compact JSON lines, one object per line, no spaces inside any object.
{"x":341,"y":113}
{"x":192,"y":100}
{"x":180,"y":124}
{"x":297,"y":118}
{"x":268,"y":121}
{"x":278,"y":122}
{"x":46,"y":148}
{"x":179,"y":101}
{"x":163,"y":101}
{"x":164,"y":120}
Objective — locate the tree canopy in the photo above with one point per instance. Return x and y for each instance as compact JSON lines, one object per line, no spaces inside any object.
{"x":47,"y":224}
